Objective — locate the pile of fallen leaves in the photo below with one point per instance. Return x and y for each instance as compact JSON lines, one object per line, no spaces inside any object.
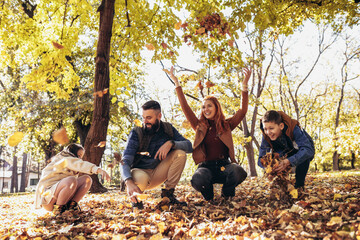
{"x":330,"y":210}
{"x":281,"y":185}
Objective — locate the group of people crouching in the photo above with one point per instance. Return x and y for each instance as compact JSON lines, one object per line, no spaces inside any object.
{"x":155,"y":154}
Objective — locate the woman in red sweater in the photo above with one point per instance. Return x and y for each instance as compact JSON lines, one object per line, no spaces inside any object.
{"x":213,"y":144}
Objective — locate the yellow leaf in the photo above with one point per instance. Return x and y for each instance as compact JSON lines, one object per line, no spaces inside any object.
{"x":165,"y":207}
{"x":186,"y":124}
{"x":141,"y":196}
{"x":15,"y":139}
{"x":79,"y":237}
{"x":60,"y":136}
{"x":177,"y":25}
{"x":193,"y":232}
{"x":161,"y":227}
{"x":334,"y":220}
{"x":337,"y":196}
{"x":101,"y":144}
{"x":149,"y":46}
{"x":119,"y":237}
{"x":113,"y":100}
{"x":222,"y":168}
{"x":294,"y":193}
{"x":158,"y":236}
{"x":137,"y":123}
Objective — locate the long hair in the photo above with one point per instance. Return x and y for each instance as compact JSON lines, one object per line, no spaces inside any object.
{"x":219,"y":115}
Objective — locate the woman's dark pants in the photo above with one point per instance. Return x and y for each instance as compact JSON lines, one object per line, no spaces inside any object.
{"x":221,"y":171}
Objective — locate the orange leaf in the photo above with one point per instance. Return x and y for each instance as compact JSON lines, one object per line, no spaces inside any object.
{"x":57,"y":45}
{"x":200,"y":30}
{"x":149,"y":46}
{"x":60,"y":136}
{"x":199,"y":85}
{"x":177,"y":25}
{"x":101,"y":144}
{"x":209,"y":84}
{"x":231,"y":43}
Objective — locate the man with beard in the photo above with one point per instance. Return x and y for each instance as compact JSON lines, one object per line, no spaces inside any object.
{"x":155,"y":153}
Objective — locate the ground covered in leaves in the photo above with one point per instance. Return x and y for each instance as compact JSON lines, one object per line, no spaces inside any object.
{"x":330,"y":209}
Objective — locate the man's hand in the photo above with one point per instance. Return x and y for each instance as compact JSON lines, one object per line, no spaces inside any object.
{"x":164,"y":150}
{"x":131,"y":189}
{"x":283,"y":165}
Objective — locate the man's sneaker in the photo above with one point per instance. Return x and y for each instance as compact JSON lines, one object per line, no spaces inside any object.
{"x":138,"y":205}
{"x":169,"y":193}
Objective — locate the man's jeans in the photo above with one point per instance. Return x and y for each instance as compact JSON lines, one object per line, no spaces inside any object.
{"x":221,"y":171}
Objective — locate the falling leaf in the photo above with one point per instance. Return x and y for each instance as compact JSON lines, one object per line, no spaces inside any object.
{"x":101,"y":144}
{"x":199,"y":85}
{"x":222,"y":168}
{"x":209,"y":84}
{"x":57,"y":45}
{"x":184,"y":25}
{"x":101,"y":92}
{"x":200,"y":30}
{"x":138,"y":123}
{"x":186,"y":124}
{"x":15,"y":139}
{"x":164,"y":45}
{"x":177,"y":25}
{"x":60,"y":136}
{"x":150,"y":47}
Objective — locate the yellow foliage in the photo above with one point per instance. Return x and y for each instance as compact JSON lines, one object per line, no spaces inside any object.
{"x":15,"y":139}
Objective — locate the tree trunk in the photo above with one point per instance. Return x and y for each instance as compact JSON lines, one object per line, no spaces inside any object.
{"x":353,"y":160}
{"x":100,"y":118}
{"x":14,"y":177}
{"x":82,"y":130}
{"x":249,"y":150}
{"x":23,"y":173}
{"x":336,"y":161}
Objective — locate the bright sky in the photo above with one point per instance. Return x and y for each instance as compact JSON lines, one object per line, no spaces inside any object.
{"x":303,"y":44}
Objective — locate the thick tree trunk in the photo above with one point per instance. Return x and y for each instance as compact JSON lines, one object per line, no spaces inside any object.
{"x":336,"y":161}
{"x":14,"y":177}
{"x":23,"y":173}
{"x":100,"y":119}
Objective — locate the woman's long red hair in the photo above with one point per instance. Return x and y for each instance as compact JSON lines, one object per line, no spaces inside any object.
{"x":219,"y":115}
